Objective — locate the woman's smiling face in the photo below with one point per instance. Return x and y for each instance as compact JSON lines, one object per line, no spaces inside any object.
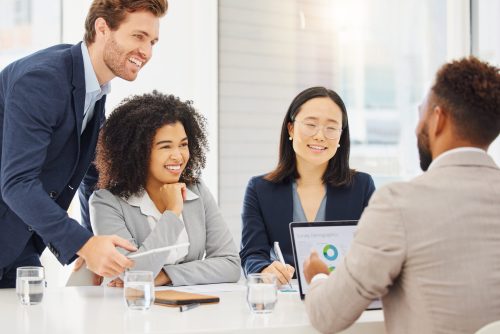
{"x":169,"y":155}
{"x":316,"y":131}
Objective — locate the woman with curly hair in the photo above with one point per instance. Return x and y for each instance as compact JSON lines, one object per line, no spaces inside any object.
{"x":149,"y":156}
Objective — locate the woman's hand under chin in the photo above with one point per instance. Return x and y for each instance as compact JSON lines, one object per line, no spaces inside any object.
{"x":173,"y":196}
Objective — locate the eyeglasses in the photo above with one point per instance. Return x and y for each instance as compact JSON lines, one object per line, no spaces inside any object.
{"x":309,"y":128}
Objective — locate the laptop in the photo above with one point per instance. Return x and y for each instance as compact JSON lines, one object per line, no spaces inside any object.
{"x":331,"y":239}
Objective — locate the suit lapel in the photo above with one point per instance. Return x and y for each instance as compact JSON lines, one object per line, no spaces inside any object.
{"x":78,"y":82}
{"x":191,"y":214}
{"x":280,"y":200}
{"x":331,"y":204}
{"x":88,"y":142}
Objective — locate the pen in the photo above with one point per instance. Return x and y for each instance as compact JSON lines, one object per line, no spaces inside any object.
{"x":184,"y":308}
{"x":157,"y":250}
{"x":278,"y":253}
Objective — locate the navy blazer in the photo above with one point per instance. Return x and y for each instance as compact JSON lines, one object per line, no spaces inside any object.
{"x":44,"y":156}
{"x":268,"y":211}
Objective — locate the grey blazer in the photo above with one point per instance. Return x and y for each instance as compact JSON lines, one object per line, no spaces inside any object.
{"x":212,"y":255}
{"x":429,"y":247}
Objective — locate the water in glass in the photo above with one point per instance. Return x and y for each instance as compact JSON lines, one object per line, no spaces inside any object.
{"x":262,"y":292}
{"x":30,"y":284}
{"x":139,"y":290}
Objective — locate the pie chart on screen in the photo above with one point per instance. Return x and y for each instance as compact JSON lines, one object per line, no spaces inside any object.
{"x":330,"y":252}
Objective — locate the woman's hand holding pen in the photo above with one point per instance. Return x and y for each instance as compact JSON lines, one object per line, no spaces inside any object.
{"x":283,"y":273}
{"x":173,"y":196}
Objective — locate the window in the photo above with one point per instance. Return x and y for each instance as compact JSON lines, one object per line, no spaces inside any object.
{"x":27,"y":26}
{"x":380,"y":56}
{"x":486,"y":43}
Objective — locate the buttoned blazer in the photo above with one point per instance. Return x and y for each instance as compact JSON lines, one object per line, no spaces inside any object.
{"x":429,"y":247}
{"x":268,"y":211}
{"x":212,"y":255}
{"x":44,"y":156}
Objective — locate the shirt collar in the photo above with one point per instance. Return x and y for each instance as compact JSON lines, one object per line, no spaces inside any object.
{"x":91,"y":82}
{"x":146,"y":205}
{"x":453,"y":151}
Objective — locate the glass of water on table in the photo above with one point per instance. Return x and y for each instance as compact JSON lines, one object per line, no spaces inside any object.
{"x":262,"y":292}
{"x":30,"y":283}
{"x":139,"y":289}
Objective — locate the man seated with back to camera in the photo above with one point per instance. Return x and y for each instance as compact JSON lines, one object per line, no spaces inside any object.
{"x":430,"y":248}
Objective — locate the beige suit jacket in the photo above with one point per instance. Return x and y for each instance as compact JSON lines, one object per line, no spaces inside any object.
{"x":429,"y":247}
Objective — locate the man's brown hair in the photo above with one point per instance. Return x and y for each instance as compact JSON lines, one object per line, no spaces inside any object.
{"x":469,"y":90}
{"x":114,"y":11}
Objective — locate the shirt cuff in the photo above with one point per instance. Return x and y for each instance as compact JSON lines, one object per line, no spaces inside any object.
{"x":319,"y":277}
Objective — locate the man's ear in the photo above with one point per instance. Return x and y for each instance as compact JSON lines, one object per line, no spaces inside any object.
{"x":439,"y":120}
{"x":101,"y":27}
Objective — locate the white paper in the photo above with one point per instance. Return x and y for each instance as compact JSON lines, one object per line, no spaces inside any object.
{"x":207,"y":288}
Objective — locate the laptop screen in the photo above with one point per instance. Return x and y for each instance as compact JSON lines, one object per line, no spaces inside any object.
{"x":330,"y":239}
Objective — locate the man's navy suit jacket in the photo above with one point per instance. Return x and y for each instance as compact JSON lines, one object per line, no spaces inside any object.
{"x":268,"y":211}
{"x":44,"y":155}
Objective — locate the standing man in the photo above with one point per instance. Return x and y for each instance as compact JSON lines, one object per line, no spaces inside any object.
{"x":430,"y":248}
{"x":51,"y":109}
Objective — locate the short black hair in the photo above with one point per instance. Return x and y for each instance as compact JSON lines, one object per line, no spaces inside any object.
{"x":470,"y":90}
{"x":125,"y":141}
{"x":338,"y":172}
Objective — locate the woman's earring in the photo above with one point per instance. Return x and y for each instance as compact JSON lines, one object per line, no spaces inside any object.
{"x":290,"y":138}
{"x":338,"y":145}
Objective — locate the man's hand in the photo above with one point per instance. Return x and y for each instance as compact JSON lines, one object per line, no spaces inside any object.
{"x":313,"y":265}
{"x":96,"y":279}
{"x":284,"y":274}
{"x":102,"y":258}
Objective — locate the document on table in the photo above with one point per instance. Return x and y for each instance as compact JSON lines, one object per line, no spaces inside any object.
{"x":207,"y":288}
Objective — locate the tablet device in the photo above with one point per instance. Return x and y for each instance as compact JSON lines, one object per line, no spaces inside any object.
{"x":331,"y":239}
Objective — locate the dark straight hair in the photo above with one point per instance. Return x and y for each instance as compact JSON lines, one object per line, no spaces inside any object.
{"x":337,"y":172}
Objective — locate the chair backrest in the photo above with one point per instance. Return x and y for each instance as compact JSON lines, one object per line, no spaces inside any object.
{"x":491,"y":328}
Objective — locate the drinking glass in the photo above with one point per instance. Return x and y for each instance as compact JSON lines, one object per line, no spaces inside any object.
{"x":30,"y":282}
{"x":262,"y":292}
{"x":139,"y":291}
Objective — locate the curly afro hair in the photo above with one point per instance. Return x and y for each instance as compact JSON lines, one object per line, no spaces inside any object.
{"x":470,"y":90}
{"x":125,"y":141}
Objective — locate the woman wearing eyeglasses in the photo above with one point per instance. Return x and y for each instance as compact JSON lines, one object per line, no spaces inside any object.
{"x":312,"y":182}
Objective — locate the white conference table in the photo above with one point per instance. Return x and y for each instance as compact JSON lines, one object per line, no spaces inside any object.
{"x":102,"y":310}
